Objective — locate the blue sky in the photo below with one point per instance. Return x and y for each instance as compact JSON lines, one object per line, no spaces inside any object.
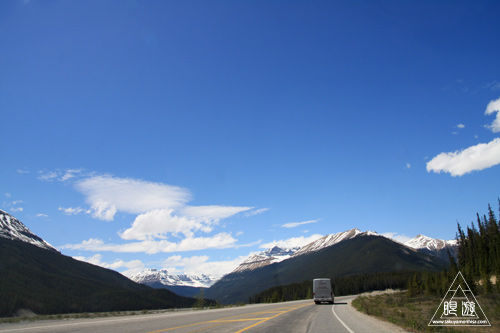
{"x":187,"y":134}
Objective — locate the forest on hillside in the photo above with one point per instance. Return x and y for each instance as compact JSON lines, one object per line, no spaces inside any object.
{"x":351,"y":285}
{"x":46,"y":282}
{"x":478,"y":260}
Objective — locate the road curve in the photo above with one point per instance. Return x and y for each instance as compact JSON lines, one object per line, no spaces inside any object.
{"x":297,"y":316}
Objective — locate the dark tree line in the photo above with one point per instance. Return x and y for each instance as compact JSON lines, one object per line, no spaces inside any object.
{"x":478,"y":260}
{"x":47,"y":282}
{"x":479,"y":249}
{"x":351,"y":285}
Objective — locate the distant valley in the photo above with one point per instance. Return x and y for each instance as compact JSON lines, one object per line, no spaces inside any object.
{"x":422,"y":253}
{"x":34,"y":272}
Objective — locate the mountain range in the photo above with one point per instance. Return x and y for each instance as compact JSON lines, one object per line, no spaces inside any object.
{"x":189,"y":285}
{"x":181,"y":284}
{"x":337,"y":255}
{"x":30,"y":267}
{"x":154,"y":275}
{"x":35,"y":276}
{"x":436,"y":247}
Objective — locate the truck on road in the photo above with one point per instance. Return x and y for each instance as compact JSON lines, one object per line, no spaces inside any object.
{"x":322,"y":291}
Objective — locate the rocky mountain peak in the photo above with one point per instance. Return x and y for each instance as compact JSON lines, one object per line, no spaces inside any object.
{"x":153,"y":275}
{"x":12,"y":228}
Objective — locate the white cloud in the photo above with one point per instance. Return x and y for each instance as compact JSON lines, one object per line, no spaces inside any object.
{"x":221,"y":240}
{"x":408,"y":165}
{"x":133,"y":266}
{"x":107,"y":195}
{"x":48,"y":176}
{"x":158,"y":223}
{"x":71,"y":210}
{"x":175,"y":264}
{"x":215,"y":268}
{"x":17,"y":209}
{"x":213,"y":213}
{"x":163,"y":223}
{"x":474,"y":158}
{"x":397,"y":237}
{"x":60,"y":175}
{"x":492,"y":107}
{"x":42,"y":215}
{"x":103,"y":210}
{"x":256,"y":212}
{"x":494,"y":85}
{"x":70,"y":173}
{"x":296,"y":224}
{"x":292,"y":242}
{"x":458,"y":163}
{"x":194,"y":265}
{"x":94,"y":260}
{"x":161,"y":208}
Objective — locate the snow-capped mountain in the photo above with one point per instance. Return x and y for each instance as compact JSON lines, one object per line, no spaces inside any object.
{"x":437,"y":247}
{"x":330,"y":240}
{"x":278,"y":254}
{"x":431,"y":244}
{"x":152,"y":275}
{"x":12,"y":228}
{"x":267,"y":257}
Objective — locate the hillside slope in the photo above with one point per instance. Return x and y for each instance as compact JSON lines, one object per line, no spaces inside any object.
{"x":47,"y":282}
{"x":363,"y":254}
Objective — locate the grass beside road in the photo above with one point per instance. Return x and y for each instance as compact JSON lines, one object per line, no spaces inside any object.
{"x":414,"y":314}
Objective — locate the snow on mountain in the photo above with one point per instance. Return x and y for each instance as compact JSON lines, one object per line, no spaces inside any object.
{"x":277,"y":254}
{"x":153,"y":275}
{"x":437,"y":247}
{"x":12,"y":228}
{"x":267,"y":257}
{"x":333,"y":239}
{"x":428,"y":243}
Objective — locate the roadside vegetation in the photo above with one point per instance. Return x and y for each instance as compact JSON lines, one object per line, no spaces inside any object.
{"x":478,"y":261}
{"x":414,"y":313}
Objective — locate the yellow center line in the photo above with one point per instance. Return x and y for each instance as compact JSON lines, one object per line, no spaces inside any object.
{"x":173,"y":328}
{"x":206,"y":328}
{"x":231,"y":320}
{"x":279,"y":314}
{"x":261,"y":320}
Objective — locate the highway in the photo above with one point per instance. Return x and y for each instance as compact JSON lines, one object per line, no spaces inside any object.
{"x":297,"y":316}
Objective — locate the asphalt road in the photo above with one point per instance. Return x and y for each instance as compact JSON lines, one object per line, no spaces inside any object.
{"x":297,"y":316}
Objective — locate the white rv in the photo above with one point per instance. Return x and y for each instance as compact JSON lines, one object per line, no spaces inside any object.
{"x":322,"y":291}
